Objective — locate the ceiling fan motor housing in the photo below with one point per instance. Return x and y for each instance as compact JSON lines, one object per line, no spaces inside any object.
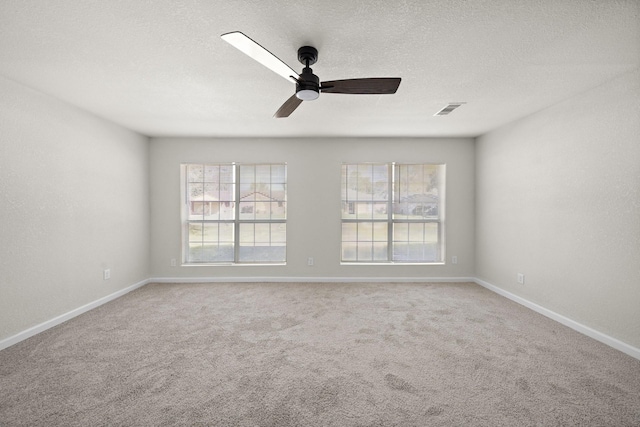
{"x":308,"y":86}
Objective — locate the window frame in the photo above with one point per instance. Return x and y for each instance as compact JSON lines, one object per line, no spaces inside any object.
{"x":237,"y":221}
{"x":390,"y":220}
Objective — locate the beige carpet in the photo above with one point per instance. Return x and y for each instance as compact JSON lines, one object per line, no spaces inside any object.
{"x":287,"y":354}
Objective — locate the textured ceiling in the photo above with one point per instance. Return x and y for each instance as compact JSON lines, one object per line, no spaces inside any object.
{"x":160,"y":68}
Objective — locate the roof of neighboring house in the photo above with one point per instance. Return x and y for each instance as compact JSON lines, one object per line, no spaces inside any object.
{"x":276,"y":196}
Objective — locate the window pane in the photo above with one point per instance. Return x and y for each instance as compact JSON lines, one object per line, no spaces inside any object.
{"x":364,"y":241}
{"x":278,"y":210}
{"x":195,"y":190}
{"x":247,"y":182}
{"x":262,"y":207}
{"x":400,"y":232}
{"x":278,"y":174}
{"x":195,"y":232}
{"x":195,"y":173}
{"x":416,"y":232}
{"x":247,"y":233}
{"x":365,"y":251}
{"x":194,"y":244}
{"x":278,"y":233}
{"x":262,"y":243}
{"x":365,"y":231}
{"x":225,"y":232}
{"x":226,"y":173}
{"x":349,"y":239}
{"x":226,"y":192}
{"x":364,"y":182}
{"x":349,"y":251}
{"x":349,"y":232}
{"x":380,"y":251}
{"x":211,"y":173}
{"x":210,"y":242}
{"x":247,"y":174}
{"x":209,"y":201}
{"x":380,"y":232}
{"x":247,"y":210}
{"x":279,"y":192}
{"x":348,"y":210}
{"x":380,"y":178}
{"x":380,"y":210}
{"x":364,"y":210}
{"x":227,"y":210}
{"x":420,"y":244}
{"x":247,"y":191}
{"x":431,"y":232}
{"x":400,"y":251}
{"x":195,"y":253}
{"x":210,"y":232}
{"x":263,"y":174}
{"x":262,"y":234}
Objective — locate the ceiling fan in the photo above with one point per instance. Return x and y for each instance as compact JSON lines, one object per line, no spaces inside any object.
{"x":308,"y":85}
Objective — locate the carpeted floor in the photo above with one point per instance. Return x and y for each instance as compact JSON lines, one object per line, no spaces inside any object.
{"x":315,"y":354}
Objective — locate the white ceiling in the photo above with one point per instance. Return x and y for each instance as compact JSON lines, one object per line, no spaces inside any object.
{"x":160,"y":68}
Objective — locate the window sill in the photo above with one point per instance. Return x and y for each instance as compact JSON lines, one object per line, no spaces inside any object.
{"x":231,"y":264}
{"x":404,"y":264}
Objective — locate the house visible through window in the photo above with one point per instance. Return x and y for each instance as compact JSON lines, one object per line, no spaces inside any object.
{"x":234,"y":213}
{"x":392,"y":213}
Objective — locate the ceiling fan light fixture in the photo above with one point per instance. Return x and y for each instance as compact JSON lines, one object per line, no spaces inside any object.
{"x":308,"y":85}
{"x":307,"y":94}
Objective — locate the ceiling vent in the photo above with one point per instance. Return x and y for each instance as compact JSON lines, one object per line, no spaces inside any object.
{"x":449,"y":108}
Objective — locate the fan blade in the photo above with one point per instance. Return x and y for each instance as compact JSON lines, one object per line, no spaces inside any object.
{"x":371,"y":86}
{"x":288,"y":107}
{"x":260,"y":54}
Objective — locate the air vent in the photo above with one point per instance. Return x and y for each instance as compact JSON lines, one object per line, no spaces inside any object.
{"x":449,"y":108}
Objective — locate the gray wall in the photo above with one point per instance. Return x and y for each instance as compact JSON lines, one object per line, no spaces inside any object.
{"x":313,"y":230}
{"x":73,"y":201}
{"x":558,"y":199}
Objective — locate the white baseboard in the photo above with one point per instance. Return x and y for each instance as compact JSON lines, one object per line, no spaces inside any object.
{"x":306,"y":279}
{"x":592,"y":333}
{"x":7,"y":342}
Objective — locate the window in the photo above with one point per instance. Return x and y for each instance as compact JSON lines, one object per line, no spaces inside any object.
{"x":234,"y":213}
{"x":392,"y":213}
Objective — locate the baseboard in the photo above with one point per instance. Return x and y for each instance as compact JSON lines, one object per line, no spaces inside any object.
{"x":306,"y":279}
{"x":579,"y":327}
{"x":7,"y":342}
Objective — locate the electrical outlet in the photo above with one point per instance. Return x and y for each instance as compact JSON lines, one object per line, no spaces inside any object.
{"x":521,"y":278}
{"x":310,"y":261}
{"x":173,"y":262}
{"x":106,"y":274}
{"x":454,"y":259}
